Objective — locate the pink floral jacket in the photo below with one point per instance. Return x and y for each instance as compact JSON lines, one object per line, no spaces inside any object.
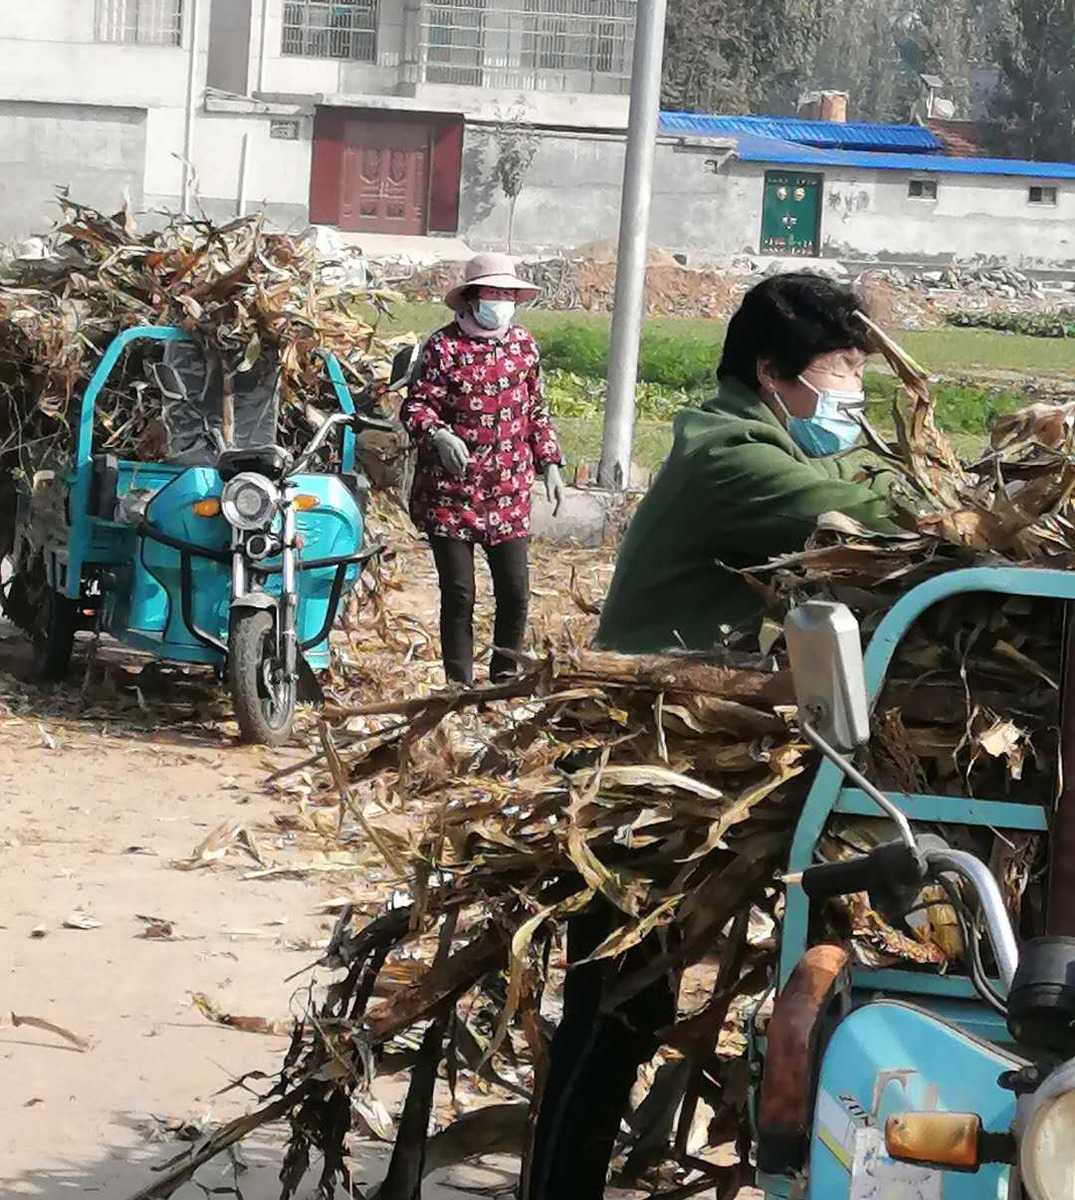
{"x":489,"y":394}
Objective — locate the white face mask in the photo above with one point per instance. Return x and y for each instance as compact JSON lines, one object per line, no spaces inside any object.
{"x":494,"y":314}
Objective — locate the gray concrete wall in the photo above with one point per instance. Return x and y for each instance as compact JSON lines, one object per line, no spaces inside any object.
{"x":98,"y":153}
{"x":572,"y":194}
{"x":711,"y":211}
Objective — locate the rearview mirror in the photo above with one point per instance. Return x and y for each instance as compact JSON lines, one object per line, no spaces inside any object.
{"x":403,"y":367}
{"x":826,"y":663}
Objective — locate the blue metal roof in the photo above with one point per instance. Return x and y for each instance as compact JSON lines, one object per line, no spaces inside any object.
{"x":752,"y":148}
{"x":827,"y":135}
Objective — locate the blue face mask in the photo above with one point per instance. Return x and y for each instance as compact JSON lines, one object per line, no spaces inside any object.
{"x":833,"y":427}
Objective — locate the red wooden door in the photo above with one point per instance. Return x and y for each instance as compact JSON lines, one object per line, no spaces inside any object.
{"x":384,"y":176}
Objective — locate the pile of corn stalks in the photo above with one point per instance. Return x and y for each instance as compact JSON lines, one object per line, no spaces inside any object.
{"x":665,"y":788}
{"x":247,"y":296}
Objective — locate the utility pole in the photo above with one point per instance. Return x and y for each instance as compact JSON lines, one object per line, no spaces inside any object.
{"x":191,"y":109}
{"x":615,"y":469}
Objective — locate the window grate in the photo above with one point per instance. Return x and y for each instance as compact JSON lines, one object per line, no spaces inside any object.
{"x":543,"y":45}
{"x":456,"y":42}
{"x":1043,"y":195}
{"x":143,"y":22}
{"x":341,"y":29}
{"x":578,"y":35}
{"x":922,"y":189}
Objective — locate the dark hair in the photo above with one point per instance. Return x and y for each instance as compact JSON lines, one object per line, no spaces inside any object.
{"x":790,"y":320}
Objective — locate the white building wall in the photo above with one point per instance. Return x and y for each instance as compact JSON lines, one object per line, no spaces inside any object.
{"x":343,"y":82}
{"x":277,"y":172}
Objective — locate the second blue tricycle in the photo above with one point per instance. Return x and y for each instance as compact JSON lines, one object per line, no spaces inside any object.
{"x":232,"y":552}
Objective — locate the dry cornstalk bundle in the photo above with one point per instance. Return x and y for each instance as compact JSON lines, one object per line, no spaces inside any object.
{"x":253,"y":301}
{"x":662,"y":791}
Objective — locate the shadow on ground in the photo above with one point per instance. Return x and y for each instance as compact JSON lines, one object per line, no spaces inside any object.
{"x":110,"y":684}
{"x":250,"y":1174}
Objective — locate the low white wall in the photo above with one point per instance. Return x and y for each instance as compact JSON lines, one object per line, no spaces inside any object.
{"x":278,"y":171}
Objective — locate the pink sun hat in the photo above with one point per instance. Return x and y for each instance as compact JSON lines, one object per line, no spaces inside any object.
{"x":491,"y":270}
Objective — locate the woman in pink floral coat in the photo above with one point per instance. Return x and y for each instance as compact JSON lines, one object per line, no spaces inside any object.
{"x":478,"y":417}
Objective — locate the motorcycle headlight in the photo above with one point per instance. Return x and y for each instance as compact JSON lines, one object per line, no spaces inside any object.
{"x":248,"y":501}
{"x":1046,"y":1144}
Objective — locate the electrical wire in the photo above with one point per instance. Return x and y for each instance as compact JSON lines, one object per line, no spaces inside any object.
{"x":970,"y":932}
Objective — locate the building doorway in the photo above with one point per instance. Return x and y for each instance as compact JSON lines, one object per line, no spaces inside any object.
{"x":384,"y":177}
{"x":377,"y":172}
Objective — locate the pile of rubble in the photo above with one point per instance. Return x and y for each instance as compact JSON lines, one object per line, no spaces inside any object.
{"x":1000,"y":282}
{"x":588,"y":284}
{"x":585,"y":280}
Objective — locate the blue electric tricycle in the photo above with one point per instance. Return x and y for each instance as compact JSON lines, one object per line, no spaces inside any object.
{"x":902,"y":1084}
{"x":232,"y":552}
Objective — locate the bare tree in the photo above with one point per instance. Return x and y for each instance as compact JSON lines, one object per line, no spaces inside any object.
{"x":516,"y":148}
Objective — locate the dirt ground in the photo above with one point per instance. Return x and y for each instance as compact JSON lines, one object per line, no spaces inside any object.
{"x":147,"y":858}
{"x":94,"y":818}
{"x":106,"y":786}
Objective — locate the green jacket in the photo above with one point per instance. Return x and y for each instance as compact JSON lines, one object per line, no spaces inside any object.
{"x":734,"y":490}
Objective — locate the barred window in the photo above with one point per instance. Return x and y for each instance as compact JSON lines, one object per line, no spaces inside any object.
{"x":456,"y":42}
{"x":593,"y":36}
{"x":526,"y":45}
{"x":144,"y":22}
{"x":337,"y":29}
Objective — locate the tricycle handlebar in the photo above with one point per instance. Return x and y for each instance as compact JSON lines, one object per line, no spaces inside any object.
{"x":994,"y":912}
{"x":327,"y":426}
{"x":895,"y":864}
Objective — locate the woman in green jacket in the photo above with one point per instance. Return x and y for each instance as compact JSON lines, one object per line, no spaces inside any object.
{"x":750,"y":471}
{"x":748,"y":476}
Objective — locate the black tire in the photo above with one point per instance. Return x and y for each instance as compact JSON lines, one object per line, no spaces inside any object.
{"x":264,"y":719}
{"x":54,"y":638}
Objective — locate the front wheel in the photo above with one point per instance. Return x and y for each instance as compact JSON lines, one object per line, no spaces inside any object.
{"x":264,"y":698}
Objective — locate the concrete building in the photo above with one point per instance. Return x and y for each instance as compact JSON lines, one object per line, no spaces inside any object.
{"x":381,"y":116}
{"x":349,"y":111}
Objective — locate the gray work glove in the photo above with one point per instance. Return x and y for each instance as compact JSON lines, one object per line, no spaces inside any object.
{"x":554,"y":488}
{"x":452,"y":452}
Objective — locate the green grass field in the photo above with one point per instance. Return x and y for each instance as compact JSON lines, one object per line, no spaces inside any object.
{"x":978,"y":373}
{"x":943,"y":351}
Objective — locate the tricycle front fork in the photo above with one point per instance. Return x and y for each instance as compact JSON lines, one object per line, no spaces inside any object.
{"x":287,"y":650}
{"x":286,"y":631}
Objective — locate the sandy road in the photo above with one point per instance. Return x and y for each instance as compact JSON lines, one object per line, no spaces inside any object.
{"x":92,"y":822}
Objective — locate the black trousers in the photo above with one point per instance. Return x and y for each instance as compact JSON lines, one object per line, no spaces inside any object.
{"x":509,"y":565}
{"x":594,"y":1061}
